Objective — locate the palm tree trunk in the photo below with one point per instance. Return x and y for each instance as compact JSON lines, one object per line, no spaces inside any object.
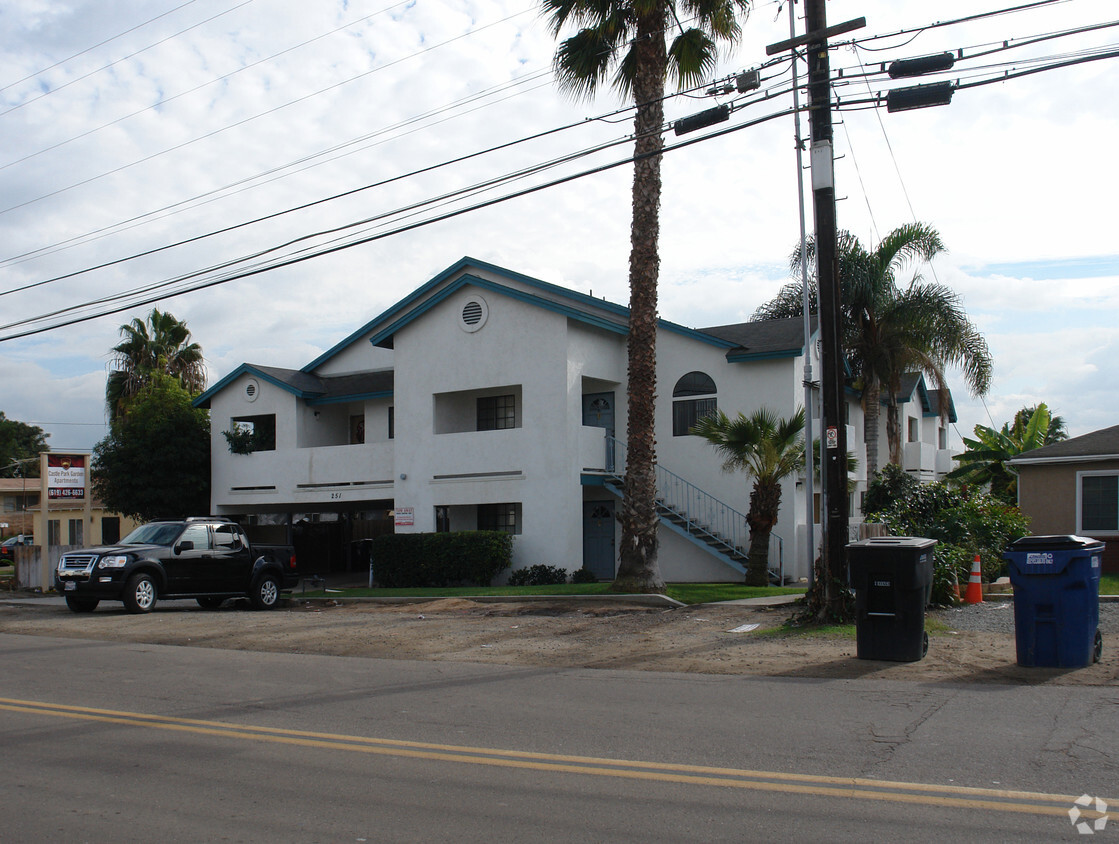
{"x":872,"y":414}
{"x":893,"y":429}
{"x":637,"y":562}
{"x":765,"y":504}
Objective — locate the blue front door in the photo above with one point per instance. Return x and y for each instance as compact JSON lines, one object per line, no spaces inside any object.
{"x":598,"y":538}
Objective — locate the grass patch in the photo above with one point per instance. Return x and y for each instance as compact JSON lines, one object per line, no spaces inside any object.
{"x":1109,"y":584}
{"x":810,"y":631}
{"x":685,"y":593}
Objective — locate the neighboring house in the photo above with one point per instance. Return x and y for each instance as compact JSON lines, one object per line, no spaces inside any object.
{"x":17,"y":497}
{"x":1072,"y":487}
{"x":924,"y":416}
{"x":486,"y":399}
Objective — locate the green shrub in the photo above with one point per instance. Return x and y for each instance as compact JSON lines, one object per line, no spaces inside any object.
{"x":890,"y":483}
{"x":965,"y":522}
{"x":583,"y":575}
{"x":461,"y":558}
{"x":538,"y":575}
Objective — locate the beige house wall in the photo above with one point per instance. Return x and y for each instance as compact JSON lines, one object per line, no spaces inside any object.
{"x":1047,"y":494}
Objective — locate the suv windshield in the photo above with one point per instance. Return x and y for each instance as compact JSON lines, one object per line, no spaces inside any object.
{"x":155,"y":533}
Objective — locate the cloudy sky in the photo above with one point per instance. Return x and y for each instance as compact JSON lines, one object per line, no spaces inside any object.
{"x":130,"y":127}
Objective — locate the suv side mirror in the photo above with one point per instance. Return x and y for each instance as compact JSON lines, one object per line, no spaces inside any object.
{"x":185,"y":545}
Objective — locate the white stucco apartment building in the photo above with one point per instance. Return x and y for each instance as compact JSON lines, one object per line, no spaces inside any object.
{"x":486,"y":399}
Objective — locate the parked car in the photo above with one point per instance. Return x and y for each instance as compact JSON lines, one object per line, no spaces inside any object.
{"x":208,"y":559}
{"x":8,"y":547}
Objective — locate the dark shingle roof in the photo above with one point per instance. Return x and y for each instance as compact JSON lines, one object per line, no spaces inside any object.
{"x":1102,"y":443}
{"x":765,"y":337}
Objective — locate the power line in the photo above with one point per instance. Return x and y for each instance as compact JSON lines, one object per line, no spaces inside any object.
{"x":299,"y":165}
{"x":218,"y":131}
{"x":286,"y":262}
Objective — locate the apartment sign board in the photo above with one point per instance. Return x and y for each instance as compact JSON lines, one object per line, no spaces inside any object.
{"x":66,"y":477}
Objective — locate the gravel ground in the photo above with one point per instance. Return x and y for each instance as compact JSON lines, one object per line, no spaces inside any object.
{"x":974,"y":644}
{"x":998,"y":617}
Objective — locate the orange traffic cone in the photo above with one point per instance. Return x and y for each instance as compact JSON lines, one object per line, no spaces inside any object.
{"x":974,"y":594}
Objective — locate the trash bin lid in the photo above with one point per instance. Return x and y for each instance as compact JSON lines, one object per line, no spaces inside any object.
{"x":893,"y":542}
{"x":1054,"y":543}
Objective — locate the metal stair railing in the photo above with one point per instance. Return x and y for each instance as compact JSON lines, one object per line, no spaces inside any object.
{"x":699,"y":513}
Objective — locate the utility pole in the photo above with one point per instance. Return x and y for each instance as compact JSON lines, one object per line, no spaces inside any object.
{"x":834,"y":471}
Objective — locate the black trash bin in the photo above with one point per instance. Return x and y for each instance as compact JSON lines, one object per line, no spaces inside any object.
{"x":892,"y":579}
{"x":1056,"y":583}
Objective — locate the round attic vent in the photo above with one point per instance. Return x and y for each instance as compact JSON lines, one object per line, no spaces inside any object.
{"x":474,"y":314}
{"x":252,"y":390}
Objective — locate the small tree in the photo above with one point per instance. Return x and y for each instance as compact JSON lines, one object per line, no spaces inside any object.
{"x":20,"y":443}
{"x":769,"y":449}
{"x":155,"y":462}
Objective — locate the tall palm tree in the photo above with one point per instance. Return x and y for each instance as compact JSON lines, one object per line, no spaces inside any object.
{"x":160,"y":344}
{"x":630,"y":36}
{"x":769,"y":449}
{"x":890,"y":329}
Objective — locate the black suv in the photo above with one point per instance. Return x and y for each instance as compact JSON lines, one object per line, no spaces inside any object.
{"x":208,"y":559}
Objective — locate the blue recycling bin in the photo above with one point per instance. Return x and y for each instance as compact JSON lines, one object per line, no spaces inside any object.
{"x":1056,"y":583}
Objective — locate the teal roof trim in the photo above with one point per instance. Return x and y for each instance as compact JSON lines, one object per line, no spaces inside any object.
{"x":247,"y":369}
{"x":747,"y":357}
{"x":471,"y":280}
{"x":420,"y":300}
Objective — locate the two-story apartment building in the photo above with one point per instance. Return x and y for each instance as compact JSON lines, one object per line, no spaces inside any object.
{"x":487,"y":399}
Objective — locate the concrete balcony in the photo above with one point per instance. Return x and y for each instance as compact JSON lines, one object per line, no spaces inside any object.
{"x":926,"y":461}
{"x":339,"y":473}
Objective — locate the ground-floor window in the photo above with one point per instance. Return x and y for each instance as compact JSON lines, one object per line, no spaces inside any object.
{"x":1098,"y":502}
{"x":504,"y":517}
{"x":77,"y":531}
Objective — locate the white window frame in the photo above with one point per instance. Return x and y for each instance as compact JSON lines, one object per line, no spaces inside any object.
{"x":1080,"y":475}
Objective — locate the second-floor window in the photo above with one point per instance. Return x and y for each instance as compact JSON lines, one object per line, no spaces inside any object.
{"x":496,"y":413}
{"x":693,"y":399}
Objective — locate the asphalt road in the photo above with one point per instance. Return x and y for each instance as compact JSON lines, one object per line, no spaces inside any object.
{"x":125,"y":742}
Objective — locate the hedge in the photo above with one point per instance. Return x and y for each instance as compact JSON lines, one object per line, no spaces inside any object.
{"x":461,"y":558}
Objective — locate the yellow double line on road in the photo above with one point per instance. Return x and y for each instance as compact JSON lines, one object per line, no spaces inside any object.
{"x":1023,"y":802}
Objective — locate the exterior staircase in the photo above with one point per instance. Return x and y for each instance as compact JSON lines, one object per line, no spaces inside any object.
{"x":703,"y":519}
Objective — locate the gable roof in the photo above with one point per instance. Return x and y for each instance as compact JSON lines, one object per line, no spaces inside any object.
{"x":914,"y":388}
{"x":577,"y":306}
{"x":314,"y":389}
{"x":1098,"y":445}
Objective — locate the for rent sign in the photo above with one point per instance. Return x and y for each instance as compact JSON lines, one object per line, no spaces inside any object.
{"x":66,"y":477}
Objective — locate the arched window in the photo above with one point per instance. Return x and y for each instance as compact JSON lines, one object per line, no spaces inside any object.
{"x":693,"y":398}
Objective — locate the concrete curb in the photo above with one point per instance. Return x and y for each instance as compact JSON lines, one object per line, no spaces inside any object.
{"x":637,"y":600}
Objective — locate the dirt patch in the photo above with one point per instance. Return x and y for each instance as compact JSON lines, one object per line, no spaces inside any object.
{"x":697,"y":639}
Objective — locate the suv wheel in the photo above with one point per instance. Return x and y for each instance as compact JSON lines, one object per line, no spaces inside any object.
{"x":81,"y":604}
{"x":266,"y":593}
{"x":140,"y":594}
